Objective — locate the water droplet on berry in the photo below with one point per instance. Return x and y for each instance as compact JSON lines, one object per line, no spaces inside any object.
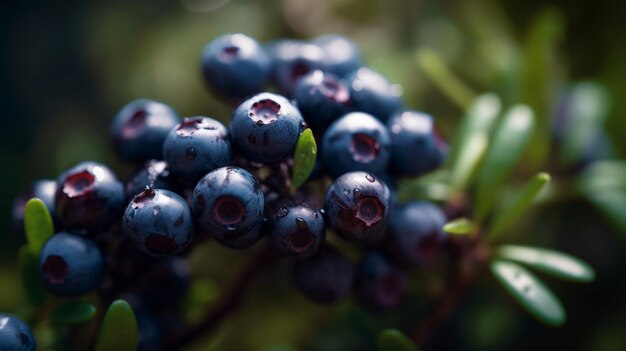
{"x":282,"y":212}
{"x":370,"y":178}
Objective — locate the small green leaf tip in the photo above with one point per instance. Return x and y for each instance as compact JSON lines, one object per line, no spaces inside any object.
{"x":460,"y":226}
{"x":395,"y":340}
{"x":73,"y":312}
{"x":304,"y":158}
{"x":119,"y":329}
{"x":37,"y":224}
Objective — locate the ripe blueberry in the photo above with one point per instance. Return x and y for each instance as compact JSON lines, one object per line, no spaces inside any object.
{"x":70,"y":264}
{"x":154,"y":174}
{"x":342,"y":54}
{"x":325,"y":277}
{"x":88,"y":196}
{"x":322,"y":98}
{"x":139,"y":129}
{"x":379,"y":285}
{"x":228,"y":204}
{"x":356,"y":142}
{"x":42,"y":189}
{"x":415,"y":232}
{"x":15,"y":335}
{"x":372,"y":93}
{"x":266,"y":127}
{"x":195,"y":147}
{"x":236,"y":66}
{"x":416,"y":147}
{"x":292,"y":59}
{"x":296,"y":230}
{"x":357,"y":207}
{"x":158,"y":222}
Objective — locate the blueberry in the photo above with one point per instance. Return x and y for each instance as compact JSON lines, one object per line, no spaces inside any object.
{"x":322,"y":98}
{"x":416,"y":146}
{"x":325,"y":277}
{"x":236,"y":66}
{"x":296,"y":230}
{"x":195,"y":147}
{"x":165,"y":283}
{"x":356,"y":142}
{"x":266,"y":127}
{"x":357,"y":207}
{"x":139,"y":129}
{"x":88,"y":196}
{"x":342,"y":54}
{"x":154,"y":174}
{"x":15,"y":335}
{"x":415,"y":232}
{"x":70,"y":264}
{"x":379,"y":285}
{"x":292,"y":59}
{"x":158,"y":222}
{"x":371,"y":92}
{"x":228,"y":204}
{"x":42,"y":189}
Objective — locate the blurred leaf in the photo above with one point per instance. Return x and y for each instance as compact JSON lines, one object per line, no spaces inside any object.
{"x":31,"y":280}
{"x":37,"y":224}
{"x":588,"y":108}
{"x":201,"y":293}
{"x":506,"y":150}
{"x":119,"y":329}
{"x":558,"y":264}
{"x":450,"y":85}
{"x":473,"y":139}
{"x":432,"y":186}
{"x":512,"y":213}
{"x":304,"y":158}
{"x":73,"y":312}
{"x":530,"y":292}
{"x":459,"y":226}
{"x":395,"y":340}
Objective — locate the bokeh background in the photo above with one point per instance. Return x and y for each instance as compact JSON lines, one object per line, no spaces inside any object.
{"x":67,"y":67}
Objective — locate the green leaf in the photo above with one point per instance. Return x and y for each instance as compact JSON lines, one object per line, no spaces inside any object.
{"x":395,"y":340}
{"x":31,"y":280}
{"x":515,"y":210}
{"x":530,"y":292}
{"x":506,"y":150}
{"x":37,"y":224}
{"x":555,"y":263}
{"x":304,"y":158}
{"x":73,"y":312}
{"x":119,"y":329}
{"x":459,"y":226}
{"x":432,"y":186}
{"x":472,"y":140}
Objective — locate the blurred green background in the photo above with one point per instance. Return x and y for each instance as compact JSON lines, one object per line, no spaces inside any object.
{"x":67,"y":67}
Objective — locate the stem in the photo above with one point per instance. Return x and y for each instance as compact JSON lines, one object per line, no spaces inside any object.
{"x":229,"y":301}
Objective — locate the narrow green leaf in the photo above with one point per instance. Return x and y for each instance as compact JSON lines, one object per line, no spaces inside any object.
{"x":119,"y":329}
{"x":37,"y":224}
{"x":395,"y":340}
{"x":520,"y":204}
{"x":304,"y":158}
{"x":558,"y":264}
{"x":506,"y":150}
{"x":433,"y":186}
{"x":530,"y":292}
{"x":459,"y":226}
{"x":31,"y":280}
{"x":472,"y":140}
{"x":73,"y":312}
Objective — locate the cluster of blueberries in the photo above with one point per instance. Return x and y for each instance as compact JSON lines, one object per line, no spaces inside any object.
{"x":200,"y":178}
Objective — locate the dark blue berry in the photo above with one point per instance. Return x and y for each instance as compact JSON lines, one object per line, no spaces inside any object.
{"x":266,"y":128}
{"x":325,"y":277}
{"x":322,"y":98}
{"x":228,"y":204}
{"x":415,"y":232}
{"x":158,"y":222}
{"x":379,"y":285}
{"x":15,"y":335}
{"x":416,"y":146}
{"x":195,"y":147}
{"x":357,"y":207}
{"x":139,"y":129}
{"x":371,"y":92}
{"x":296,"y":230}
{"x":70,"y":265}
{"x":356,"y":142}
{"x":88,"y":196}
{"x":342,"y":54}
{"x":292,"y":60}
{"x":42,"y":189}
{"x":236,"y":66}
{"x":154,"y":174}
